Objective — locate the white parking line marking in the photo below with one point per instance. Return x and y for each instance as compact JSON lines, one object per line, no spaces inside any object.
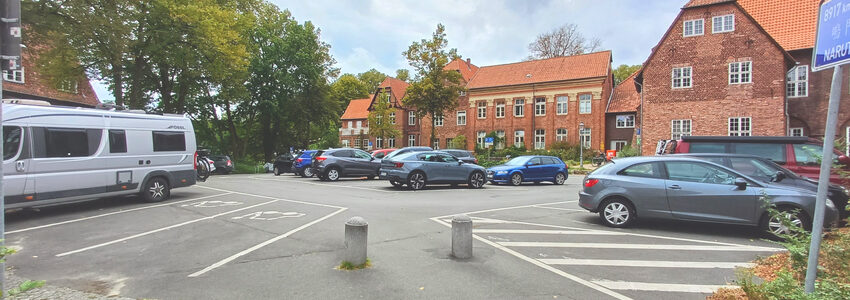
{"x":263,"y":244}
{"x":162,"y":229}
{"x":646,"y":263}
{"x":326,"y":185}
{"x":506,"y":208}
{"x":639,"y":246}
{"x":660,"y":287}
{"x":113,"y":213}
{"x":558,"y":208}
{"x":564,"y":232}
{"x":545,"y":266}
{"x":272,"y":198}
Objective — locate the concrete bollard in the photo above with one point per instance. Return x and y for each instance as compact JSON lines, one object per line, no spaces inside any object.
{"x":356,"y":232}
{"x":462,"y":236}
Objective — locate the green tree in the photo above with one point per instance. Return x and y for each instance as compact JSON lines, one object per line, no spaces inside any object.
{"x":402,"y":74}
{"x":624,"y":71}
{"x":372,"y":79}
{"x":346,"y":88}
{"x":459,"y":142}
{"x":379,"y":119}
{"x":434,"y":90}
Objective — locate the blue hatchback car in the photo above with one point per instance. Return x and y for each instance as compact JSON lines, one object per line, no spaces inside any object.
{"x":301,"y":165}
{"x":529,"y":168}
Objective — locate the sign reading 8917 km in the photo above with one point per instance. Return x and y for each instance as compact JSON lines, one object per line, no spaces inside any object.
{"x":832,"y":41}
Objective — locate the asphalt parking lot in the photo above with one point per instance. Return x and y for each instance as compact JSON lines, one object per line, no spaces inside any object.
{"x":264,"y":236}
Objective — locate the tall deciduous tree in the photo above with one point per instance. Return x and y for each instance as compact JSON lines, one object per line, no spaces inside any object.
{"x":623,"y":71}
{"x":380,"y":125}
{"x":402,"y":74}
{"x":372,"y":79}
{"x":346,"y":88}
{"x":562,"y":41}
{"x":434,"y":89}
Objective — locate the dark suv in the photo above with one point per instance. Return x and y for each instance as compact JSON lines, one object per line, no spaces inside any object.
{"x":463,"y":155}
{"x":223,"y":164}
{"x":332,"y":164}
{"x":283,"y":163}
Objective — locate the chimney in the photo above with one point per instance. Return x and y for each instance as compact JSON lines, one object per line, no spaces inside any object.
{"x":468,"y":61}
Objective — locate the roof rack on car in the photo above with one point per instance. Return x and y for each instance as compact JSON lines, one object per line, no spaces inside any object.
{"x":26,"y":102}
{"x":748,"y":139}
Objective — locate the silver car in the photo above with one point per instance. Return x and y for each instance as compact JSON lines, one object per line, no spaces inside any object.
{"x":683,"y":188}
{"x":421,"y":168}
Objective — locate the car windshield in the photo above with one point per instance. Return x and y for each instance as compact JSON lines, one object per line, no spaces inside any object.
{"x":756,"y":168}
{"x":517,"y":161}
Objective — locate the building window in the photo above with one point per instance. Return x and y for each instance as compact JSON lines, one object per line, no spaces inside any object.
{"x":618,"y":145}
{"x":693,"y":27}
{"x":540,"y":107}
{"x":462,"y":93}
{"x":584,"y":137}
{"x":539,"y":139}
{"x":449,"y":143}
{"x":392,"y":118}
{"x":740,"y":72}
{"x":481,"y":137}
{"x":680,"y":128}
{"x":561,"y":108}
{"x":366,"y":144}
{"x":68,"y":86}
{"x":357,"y":143}
{"x":500,"y":143}
{"x":411,"y":140}
{"x":346,"y":143}
{"x":379,"y":143}
{"x":720,"y":24}
{"x":436,"y":145}
{"x":797,"y":82}
{"x":625,"y":121}
{"x":482,"y":109}
{"x":438,"y":120}
{"x":389,"y":97}
{"x":740,"y":126}
{"x":584,"y":104}
{"x":17,"y":76}
{"x":796,"y":131}
{"x":461,"y":117}
{"x":350,"y":124}
{"x":519,"y":138}
{"x":359,"y":124}
{"x":500,"y":109}
{"x":391,"y":142}
{"x":561,"y":135}
{"x":681,"y":77}
{"x":519,"y":107}
{"x":411,"y":118}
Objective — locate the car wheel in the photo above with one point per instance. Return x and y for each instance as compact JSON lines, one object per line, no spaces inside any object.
{"x":276,"y":171}
{"x":560,"y":178}
{"x":516,"y":179}
{"x":476,"y":180}
{"x":774,"y":227}
{"x":617,"y":213}
{"x":156,"y":190}
{"x":307,"y":173}
{"x":416,"y":181}
{"x":332,"y":174}
{"x":396,"y":183}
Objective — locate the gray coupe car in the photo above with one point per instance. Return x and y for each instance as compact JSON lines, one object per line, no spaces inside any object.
{"x":421,"y":168}
{"x":692,"y":189}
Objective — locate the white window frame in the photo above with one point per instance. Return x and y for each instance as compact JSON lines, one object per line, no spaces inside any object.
{"x":461,"y":117}
{"x":350,"y":124}
{"x":366,"y":144}
{"x":615,"y":143}
{"x":449,"y":142}
{"x":389,"y":97}
{"x":561,"y":134}
{"x":411,"y":140}
{"x":540,"y":107}
{"x":682,"y":78}
{"x":519,"y":106}
{"x":737,"y":73}
{"x":626,"y":122}
{"x":438,"y":121}
{"x":357,"y":143}
{"x":379,"y":143}
{"x":12,"y":77}
{"x":585,"y":136}
{"x":359,"y":124}
{"x":723,"y":24}
{"x":562,"y":107}
{"x":585,"y":104}
{"x":436,"y":144}
{"x":500,"y":110}
{"x":796,"y":131}
{"x":481,"y":109}
{"x":539,"y":139}
{"x":392,"y":118}
{"x":391,"y":142}
{"x":480,"y":138}
{"x":519,"y":138}
{"x":411,"y":118}
{"x":694,"y":27}
{"x":794,"y":85}
{"x":677,"y":128}
{"x":501,"y":143}
{"x":346,"y":143}
{"x":739,"y":122}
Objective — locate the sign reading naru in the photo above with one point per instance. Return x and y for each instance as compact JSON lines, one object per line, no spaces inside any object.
{"x":832,"y":43}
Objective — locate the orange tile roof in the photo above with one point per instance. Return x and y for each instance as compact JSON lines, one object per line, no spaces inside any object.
{"x":36,"y":85}
{"x":466,"y":68}
{"x":625,"y":97}
{"x":792,"y":23}
{"x":357,"y":109}
{"x":696,"y":3}
{"x":581,"y":66}
{"x":397,"y":86}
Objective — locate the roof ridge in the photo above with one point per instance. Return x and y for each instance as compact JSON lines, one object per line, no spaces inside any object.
{"x":629,"y":77}
{"x":544,"y":59}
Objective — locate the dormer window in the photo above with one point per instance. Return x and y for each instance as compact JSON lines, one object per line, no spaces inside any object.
{"x":68,"y":86}
{"x":16,"y":76}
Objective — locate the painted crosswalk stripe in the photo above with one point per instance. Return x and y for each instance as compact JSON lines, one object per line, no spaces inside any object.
{"x":660,"y":287}
{"x":639,"y":246}
{"x":646,"y":263}
{"x":561,"y":232}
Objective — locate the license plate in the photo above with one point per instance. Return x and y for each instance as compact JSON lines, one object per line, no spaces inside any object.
{"x":489,"y":176}
{"x":383,"y":173}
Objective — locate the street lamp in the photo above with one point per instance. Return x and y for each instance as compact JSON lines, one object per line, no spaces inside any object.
{"x":580,"y":145}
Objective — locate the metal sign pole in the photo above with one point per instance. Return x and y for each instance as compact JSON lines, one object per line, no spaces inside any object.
{"x":2,"y":202}
{"x":823,"y":179}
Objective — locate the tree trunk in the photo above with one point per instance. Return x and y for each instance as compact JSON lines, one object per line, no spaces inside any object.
{"x":118,"y":83}
{"x":433,"y":130}
{"x":235,"y":142}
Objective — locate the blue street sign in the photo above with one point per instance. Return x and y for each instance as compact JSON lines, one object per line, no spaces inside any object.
{"x":832,"y":41}
{"x":370,"y":143}
{"x":488,"y":140}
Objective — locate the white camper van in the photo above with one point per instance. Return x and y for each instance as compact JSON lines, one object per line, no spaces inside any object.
{"x":61,"y":154}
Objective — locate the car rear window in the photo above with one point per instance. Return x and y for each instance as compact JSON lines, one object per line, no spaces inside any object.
{"x":707,"y":148}
{"x":774,"y":152}
{"x":649,"y":170}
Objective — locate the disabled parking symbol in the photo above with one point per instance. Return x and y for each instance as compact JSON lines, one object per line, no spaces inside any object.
{"x":270,"y":215}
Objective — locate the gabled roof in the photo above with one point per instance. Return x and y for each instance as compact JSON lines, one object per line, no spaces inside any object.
{"x":397,"y":86}
{"x":626,"y":97}
{"x":589,"y":65}
{"x":792,"y":23}
{"x":38,"y":87}
{"x":698,"y":3}
{"x":357,"y":109}
{"x":465,"y":67}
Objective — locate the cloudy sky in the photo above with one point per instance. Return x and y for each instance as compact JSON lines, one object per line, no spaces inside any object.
{"x":367,"y":34}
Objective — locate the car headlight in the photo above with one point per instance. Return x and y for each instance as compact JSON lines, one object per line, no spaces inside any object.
{"x":829,"y":203}
{"x":502,"y":173}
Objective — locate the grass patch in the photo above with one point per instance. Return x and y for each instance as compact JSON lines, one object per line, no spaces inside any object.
{"x":348,"y":266}
{"x":26,"y":286}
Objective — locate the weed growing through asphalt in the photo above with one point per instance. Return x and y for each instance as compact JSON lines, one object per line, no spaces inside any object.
{"x":348,"y":266}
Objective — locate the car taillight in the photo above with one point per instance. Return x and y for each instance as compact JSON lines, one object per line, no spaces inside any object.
{"x":195,"y":161}
{"x":229,"y":162}
{"x":590,"y":182}
{"x":321,"y":158}
{"x":476,"y":161}
{"x":299,"y":160}
{"x":398,"y":165}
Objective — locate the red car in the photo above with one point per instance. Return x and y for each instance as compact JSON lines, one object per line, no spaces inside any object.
{"x":798,"y":154}
{"x":380,"y":153}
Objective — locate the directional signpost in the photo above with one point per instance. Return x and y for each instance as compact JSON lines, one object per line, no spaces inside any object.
{"x":832,"y":50}
{"x":488,"y":142}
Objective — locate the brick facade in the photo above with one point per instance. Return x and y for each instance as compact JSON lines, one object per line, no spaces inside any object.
{"x":809,"y":112}
{"x":36,"y":87}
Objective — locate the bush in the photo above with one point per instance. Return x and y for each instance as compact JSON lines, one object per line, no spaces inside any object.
{"x":248,"y":166}
{"x":628,"y":151}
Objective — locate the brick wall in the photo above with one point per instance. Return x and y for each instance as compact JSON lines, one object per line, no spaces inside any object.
{"x":450,"y":129}
{"x":809,"y":112}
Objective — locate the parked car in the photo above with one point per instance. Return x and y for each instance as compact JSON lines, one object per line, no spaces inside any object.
{"x":464,"y":155}
{"x":301,"y":165}
{"x":801,"y":155}
{"x":418,"y":169}
{"x":683,"y":188}
{"x":381,"y":153}
{"x":529,"y":168}
{"x":283,"y":163}
{"x":332,"y":164}
{"x":407,"y":150}
{"x":222,"y":163}
{"x":768,"y":171}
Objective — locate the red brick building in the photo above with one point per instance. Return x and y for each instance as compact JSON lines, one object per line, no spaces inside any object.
{"x":354,"y":131}
{"x":448,"y":127}
{"x":622,"y":117}
{"x":716,"y":71}
{"x":28,"y":83}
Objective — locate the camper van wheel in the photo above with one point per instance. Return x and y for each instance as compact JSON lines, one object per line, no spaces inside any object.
{"x":156,"y":190}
